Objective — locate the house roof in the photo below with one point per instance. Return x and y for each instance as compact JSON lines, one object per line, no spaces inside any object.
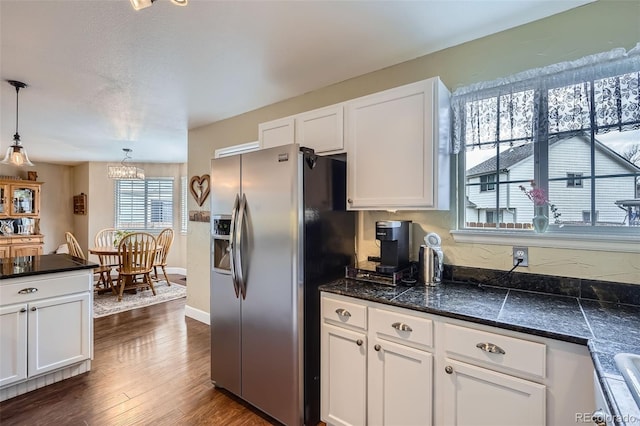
{"x":507,"y":159}
{"x":518,"y":153}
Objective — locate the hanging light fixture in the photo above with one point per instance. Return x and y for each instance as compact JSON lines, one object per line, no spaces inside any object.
{"x":125,"y":171}
{"x":141,"y":4}
{"x":16,"y":154}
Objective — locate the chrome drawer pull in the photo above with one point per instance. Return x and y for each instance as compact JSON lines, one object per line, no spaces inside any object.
{"x":401,"y":326}
{"x":490,"y":347}
{"x":28,"y":290}
{"x":343,"y":312}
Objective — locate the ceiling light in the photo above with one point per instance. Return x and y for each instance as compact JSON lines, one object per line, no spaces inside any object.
{"x":141,"y":4}
{"x":16,"y":154}
{"x":125,"y":171}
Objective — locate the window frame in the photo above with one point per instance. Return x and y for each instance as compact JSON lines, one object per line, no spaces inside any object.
{"x":574,"y":180}
{"x":164,"y":195}
{"x":622,"y":237}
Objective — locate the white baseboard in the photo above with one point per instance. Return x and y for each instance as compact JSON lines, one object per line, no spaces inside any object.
{"x":176,"y":270}
{"x":197,"y":314}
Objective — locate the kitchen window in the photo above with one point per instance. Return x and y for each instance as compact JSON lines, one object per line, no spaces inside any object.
{"x":144,"y":205}
{"x":527,"y":132}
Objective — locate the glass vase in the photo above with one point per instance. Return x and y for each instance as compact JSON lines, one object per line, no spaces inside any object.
{"x":540,"y":219}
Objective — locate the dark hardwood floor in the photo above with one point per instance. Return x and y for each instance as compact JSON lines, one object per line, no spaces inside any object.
{"x":150,"y":366}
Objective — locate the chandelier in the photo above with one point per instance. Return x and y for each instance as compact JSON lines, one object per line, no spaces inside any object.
{"x":126,"y":171}
{"x":141,"y":4}
{"x":16,"y":154}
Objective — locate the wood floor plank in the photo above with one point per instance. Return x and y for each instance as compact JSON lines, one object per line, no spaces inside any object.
{"x":151,"y":366}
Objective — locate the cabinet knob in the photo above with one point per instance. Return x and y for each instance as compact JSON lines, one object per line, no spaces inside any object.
{"x":359,"y":342}
{"x":377,"y":347}
{"x":343,"y":312}
{"x":401,"y":326}
{"x":28,"y":290}
{"x":490,"y":347}
{"x":448,"y":369}
{"x":599,"y":417}
{"x":34,"y":308}
{"x":349,"y":200}
{"x":23,"y":310}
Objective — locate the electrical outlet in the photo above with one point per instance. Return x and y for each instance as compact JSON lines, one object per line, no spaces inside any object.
{"x":521,"y":253}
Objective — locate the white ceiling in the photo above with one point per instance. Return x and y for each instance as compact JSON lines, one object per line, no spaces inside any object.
{"x":102,"y":76}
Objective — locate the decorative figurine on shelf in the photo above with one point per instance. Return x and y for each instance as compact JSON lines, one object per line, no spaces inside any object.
{"x":32,"y":176}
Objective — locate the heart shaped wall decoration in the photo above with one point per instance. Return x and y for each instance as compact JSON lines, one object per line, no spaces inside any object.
{"x":199,"y":187}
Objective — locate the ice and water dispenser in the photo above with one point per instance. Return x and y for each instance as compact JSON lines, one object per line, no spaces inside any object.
{"x":220,"y":250}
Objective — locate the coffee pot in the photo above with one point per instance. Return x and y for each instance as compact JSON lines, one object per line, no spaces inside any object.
{"x":430,"y":260}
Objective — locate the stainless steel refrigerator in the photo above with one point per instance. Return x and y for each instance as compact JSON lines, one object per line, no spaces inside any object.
{"x":279,"y":229}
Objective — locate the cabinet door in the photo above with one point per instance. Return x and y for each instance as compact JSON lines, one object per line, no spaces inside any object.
{"x":5,"y":251}
{"x":276,"y":133}
{"x":26,"y":250}
{"x":400,"y":385}
{"x":392,"y":142}
{"x":25,"y":200}
{"x":343,"y":376}
{"x":4,"y":200}
{"x":13,"y":344}
{"x":321,"y":129}
{"x":475,"y":396}
{"x":59,"y":332}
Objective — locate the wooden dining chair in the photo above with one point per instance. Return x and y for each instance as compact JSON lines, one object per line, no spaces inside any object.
{"x":104,"y":273}
{"x":137,"y":253}
{"x":107,"y":238}
{"x":164,"y":240}
{"x":74,"y":248}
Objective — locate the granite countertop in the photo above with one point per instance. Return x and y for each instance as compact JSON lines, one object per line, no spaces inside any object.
{"x":22,"y":266}
{"x":607,"y":328}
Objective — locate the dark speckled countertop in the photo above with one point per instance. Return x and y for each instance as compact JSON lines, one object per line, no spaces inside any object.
{"x":14,"y":267}
{"x":607,"y":328}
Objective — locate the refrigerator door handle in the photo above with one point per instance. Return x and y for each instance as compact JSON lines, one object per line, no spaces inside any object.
{"x":232,"y":245}
{"x":239,"y":230}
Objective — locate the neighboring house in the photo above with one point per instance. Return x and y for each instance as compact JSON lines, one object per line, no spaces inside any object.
{"x":569,"y":159}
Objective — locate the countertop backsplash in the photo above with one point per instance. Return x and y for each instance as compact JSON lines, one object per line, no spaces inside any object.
{"x":604,"y":291}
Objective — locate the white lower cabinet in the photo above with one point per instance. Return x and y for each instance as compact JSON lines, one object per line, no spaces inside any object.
{"x":13,"y":344}
{"x":399,"y":389}
{"x":45,"y":328}
{"x":344,"y":378}
{"x":478,"y":396}
{"x":374,"y":371}
{"x":384,"y":365}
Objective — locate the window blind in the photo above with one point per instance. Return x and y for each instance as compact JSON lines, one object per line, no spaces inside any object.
{"x":144,"y":205}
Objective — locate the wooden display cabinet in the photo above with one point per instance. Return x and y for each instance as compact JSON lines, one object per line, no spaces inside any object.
{"x":19,"y":199}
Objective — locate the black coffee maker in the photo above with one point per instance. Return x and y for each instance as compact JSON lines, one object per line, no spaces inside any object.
{"x":394,"y":245}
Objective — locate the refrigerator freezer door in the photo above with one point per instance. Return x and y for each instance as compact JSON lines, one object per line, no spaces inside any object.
{"x":272,"y":309}
{"x":225,"y":306}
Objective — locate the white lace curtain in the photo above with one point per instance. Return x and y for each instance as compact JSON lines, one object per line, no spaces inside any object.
{"x":599,"y":92}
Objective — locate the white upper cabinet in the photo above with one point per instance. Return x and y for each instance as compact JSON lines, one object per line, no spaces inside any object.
{"x":276,"y":133}
{"x":398,"y":148}
{"x":321,"y":129}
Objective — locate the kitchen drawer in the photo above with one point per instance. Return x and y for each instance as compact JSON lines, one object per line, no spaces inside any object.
{"x":27,"y":240}
{"x":341,"y":312}
{"x":519,"y":355}
{"x":47,"y":286}
{"x":402,"y":328}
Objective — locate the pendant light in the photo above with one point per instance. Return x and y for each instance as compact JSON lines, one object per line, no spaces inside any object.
{"x":125,"y":171}
{"x":16,"y":154}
